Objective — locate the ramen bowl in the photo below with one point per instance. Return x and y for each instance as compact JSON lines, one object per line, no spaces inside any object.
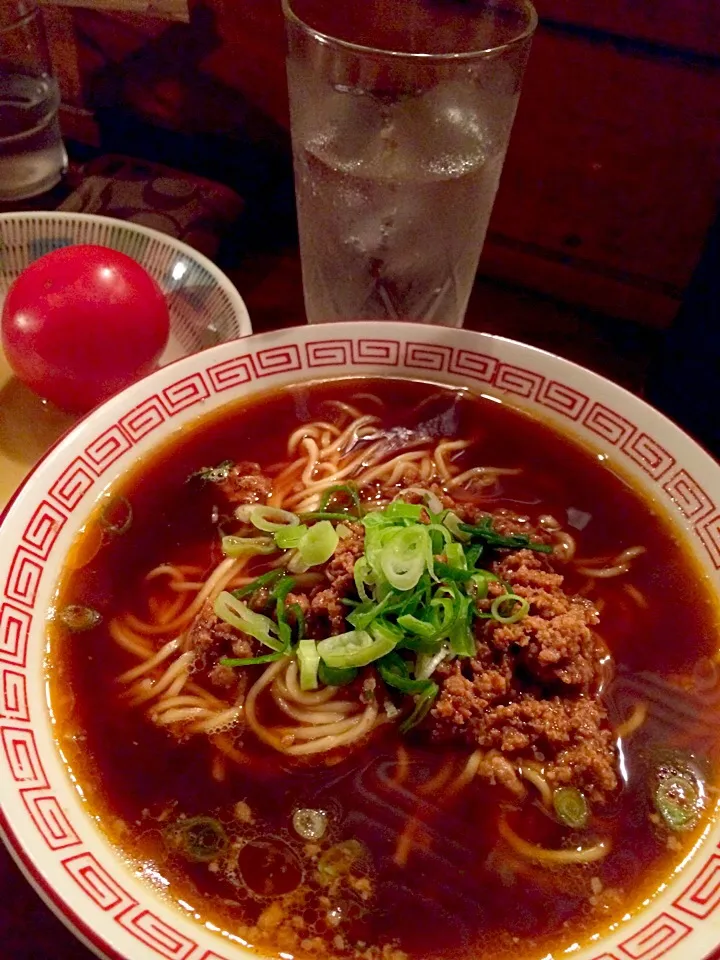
{"x":60,"y":848}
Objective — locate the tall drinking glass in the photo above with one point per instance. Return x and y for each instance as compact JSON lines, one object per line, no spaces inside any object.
{"x":401,"y":113}
{"x":32,"y":155}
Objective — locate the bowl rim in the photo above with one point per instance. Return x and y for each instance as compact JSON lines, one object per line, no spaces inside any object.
{"x":48,"y":891}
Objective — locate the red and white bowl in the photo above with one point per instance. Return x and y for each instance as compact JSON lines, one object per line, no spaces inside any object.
{"x":60,"y":849}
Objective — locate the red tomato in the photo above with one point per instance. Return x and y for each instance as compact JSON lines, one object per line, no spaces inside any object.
{"x":83,"y":322}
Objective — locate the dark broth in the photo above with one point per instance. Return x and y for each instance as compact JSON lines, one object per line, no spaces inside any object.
{"x":462,"y":893}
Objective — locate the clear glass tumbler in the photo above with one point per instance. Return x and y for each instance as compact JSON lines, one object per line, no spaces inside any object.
{"x":32,"y":155}
{"x":401,"y":113}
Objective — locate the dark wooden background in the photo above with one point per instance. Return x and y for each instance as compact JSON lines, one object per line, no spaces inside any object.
{"x":613,"y":171}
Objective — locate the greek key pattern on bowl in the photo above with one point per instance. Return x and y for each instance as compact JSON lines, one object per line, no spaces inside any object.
{"x":658,"y":938}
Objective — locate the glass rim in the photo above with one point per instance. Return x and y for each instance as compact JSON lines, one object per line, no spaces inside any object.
{"x":359,"y":48}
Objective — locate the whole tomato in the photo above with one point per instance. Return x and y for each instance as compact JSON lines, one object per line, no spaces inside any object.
{"x":83,"y":322}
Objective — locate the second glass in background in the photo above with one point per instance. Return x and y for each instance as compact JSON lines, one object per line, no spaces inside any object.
{"x":32,"y":155}
{"x":401,"y":115}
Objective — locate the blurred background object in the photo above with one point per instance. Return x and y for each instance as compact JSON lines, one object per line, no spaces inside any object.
{"x":167,"y":9}
{"x":32,"y":155}
{"x":609,"y":184}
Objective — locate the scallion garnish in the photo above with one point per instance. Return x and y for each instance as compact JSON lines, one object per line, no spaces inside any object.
{"x":678,"y":797}
{"x":116,"y":516}
{"x":394,"y":671}
{"x":239,"y":615}
{"x":340,"y":492}
{"x":325,"y":515}
{"x":404,"y":556}
{"x":279,"y":594}
{"x":418,"y":582}
{"x":252,"y":661}
{"x":485,"y":532}
{"x":267,"y":519}
{"x":571,"y":807}
{"x":318,"y":544}
{"x":264,"y":580}
{"x":309,"y":662}
{"x":364,"y":614}
{"x":213,"y":474}
{"x":509,"y":608}
{"x":247,"y":546}
{"x":336,"y":676}
{"x":423,"y":703}
{"x":289,"y":538}
{"x":456,"y":559}
{"x":79,"y":619}
{"x":201,"y":839}
{"x":357,"y":648}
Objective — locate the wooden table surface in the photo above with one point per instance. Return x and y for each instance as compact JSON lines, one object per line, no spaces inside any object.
{"x":271,"y":286}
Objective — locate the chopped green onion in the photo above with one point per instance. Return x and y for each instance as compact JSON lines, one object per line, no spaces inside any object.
{"x":79,"y":619}
{"x":252,"y":661}
{"x":453,"y":523}
{"x":348,"y":490}
{"x":362,"y":575}
{"x":426,"y":664}
{"x":521,"y":608}
{"x":325,"y":515}
{"x":340,"y":859}
{"x":239,"y":615}
{"x":404,"y":558}
{"x":444,"y":572}
{"x":376,"y":519}
{"x":423,"y":703}
{"x":318,"y":544}
{"x":308,"y":661}
{"x":364,"y":614}
{"x":247,"y":546}
{"x":264,"y":580}
{"x":296,"y":610}
{"x":571,"y":807}
{"x":385,"y":633}
{"x":472,"y":555}
{"x":399,"y":510}
{"x":462,"y":641}
{"x":213,"y":474}
{"x":414,"y":601}
{"x":267,"y":519}
{"x":678,"y":800}
{"x":394,"y":671}
{"x":116,"y":516}
{"x":201,"y":839}
{"x":357,"y":648}
{"x":479,"y":584}
{"x":456,"y":556}
{"x":420,"y":628}
{"x":288,"y":538}
{"x":442,"y":531}
{"x":516,"y":541}
{"x":279,"y":594}
{"x":336,"y":676}
{"x":310,"y":824}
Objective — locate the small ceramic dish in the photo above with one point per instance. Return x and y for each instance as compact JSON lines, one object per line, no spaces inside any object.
{"x":205,"y":308}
